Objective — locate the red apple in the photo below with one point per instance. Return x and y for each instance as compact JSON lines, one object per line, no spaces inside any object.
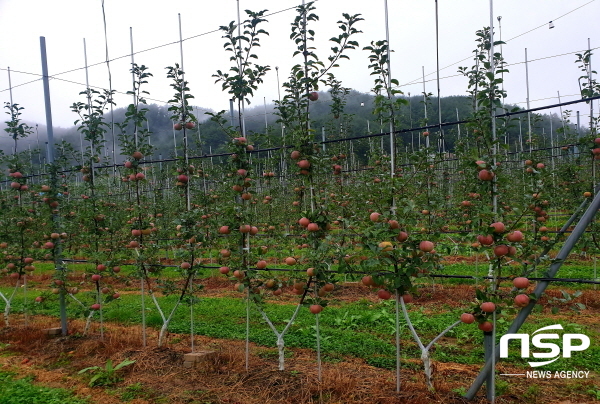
{"x":485,"y":175}
{"x":304,"y":164}
{"x":384,"y":294}
{"x":402,"y":236}
{"x":488,"y":307}
{"x":467,"y":318}
{"x":498,"y":227}
{"x":485,"y":240}
{"x":486,"y":326}
{"x":374,"y":216}
{"x":501,"y":250}
{"x":515,"y":236}
{"x":426,"y":246}
{"x":521,"y":300}
{"x":316,"y":308}
{"x":368,"y":280}
{"x":313,"y":96}
{"x":312,"y":227}
{"x":521,"y":283}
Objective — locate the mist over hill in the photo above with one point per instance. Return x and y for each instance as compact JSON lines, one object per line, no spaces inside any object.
{"x":263,"y":129}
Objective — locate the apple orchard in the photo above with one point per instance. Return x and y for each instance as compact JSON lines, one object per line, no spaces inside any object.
{"x":286,"y":220}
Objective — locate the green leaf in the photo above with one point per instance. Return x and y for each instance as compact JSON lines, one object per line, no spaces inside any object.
{"x":126,"y":362}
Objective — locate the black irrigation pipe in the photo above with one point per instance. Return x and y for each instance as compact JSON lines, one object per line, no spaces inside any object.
{"x":524,"y":111}
{"x":204,"y":156}
{"x":504,"y":278}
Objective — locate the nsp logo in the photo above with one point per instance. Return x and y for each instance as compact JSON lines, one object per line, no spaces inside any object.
{"x":537,"y":342}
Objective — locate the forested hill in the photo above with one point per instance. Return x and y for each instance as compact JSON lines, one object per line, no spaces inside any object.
{"x":261,"y":123}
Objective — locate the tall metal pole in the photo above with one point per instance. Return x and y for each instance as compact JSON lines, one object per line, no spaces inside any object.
{"x":389,"y":89}
{"x":412,"y":134}
{"x":458,"y":119}
{"x":11,"y":103}
{"x":491,"y":338}
{"x":437,"y":60}
{"x":424,"y":106}
{"x":528,"y":106}
{"x":50,"y":153}
{"x":188,"y":201}
{"x":590,"y":72}
{"x":506,"y":135}
{"x":37,"y":135}
{"x":392,"y":171}
{"x":561,"y":118}
{"x":266,"y":122}
{"x":89,"y":100}
{"x":175,"y":142}
{"x":242,"y":110}
{"x":135,"y":132}
{"x":10,"y":87}
{"x":112,"y":114}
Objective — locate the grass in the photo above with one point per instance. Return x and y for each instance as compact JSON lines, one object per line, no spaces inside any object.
{"x":22,"y":391}
{"x":360,"y":329}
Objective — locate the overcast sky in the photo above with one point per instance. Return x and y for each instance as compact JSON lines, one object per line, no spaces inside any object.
{"x":65,"y":24}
